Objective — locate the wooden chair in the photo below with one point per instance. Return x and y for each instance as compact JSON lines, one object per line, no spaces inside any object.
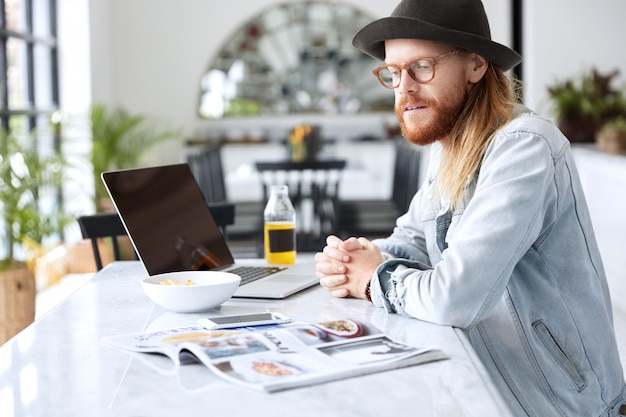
{"x":110,"y":226}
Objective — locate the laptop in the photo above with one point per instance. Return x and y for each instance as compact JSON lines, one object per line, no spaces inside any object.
{"x":164,"y":212}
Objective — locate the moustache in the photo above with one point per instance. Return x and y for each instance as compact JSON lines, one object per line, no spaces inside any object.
{"x":408,"y":102}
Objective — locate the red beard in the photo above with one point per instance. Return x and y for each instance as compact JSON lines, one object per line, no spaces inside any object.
{"x":437,"y":127}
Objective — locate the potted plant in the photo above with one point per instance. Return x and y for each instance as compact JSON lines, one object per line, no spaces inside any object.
{"x":119,"y":140}
{"x":583,"y":104}
{"x":28,"y":178}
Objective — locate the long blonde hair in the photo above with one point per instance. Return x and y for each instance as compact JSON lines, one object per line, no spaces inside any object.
{"x":489,"y":106}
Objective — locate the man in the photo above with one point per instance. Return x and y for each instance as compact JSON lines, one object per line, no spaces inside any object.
{"x":498,"y":240}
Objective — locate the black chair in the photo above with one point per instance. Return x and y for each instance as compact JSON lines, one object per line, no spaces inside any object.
{"x":98,"y":226}
{"x":110,"y":226}
{"x":375,"y":218}
{"x":206,"y":166}
{"x":224,"y":215}
{"x":312,"y":182}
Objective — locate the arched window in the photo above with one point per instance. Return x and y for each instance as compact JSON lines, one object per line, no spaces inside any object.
{"x":294,"y":57}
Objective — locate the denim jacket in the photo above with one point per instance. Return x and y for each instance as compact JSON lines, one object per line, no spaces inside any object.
{"x":516,"y":266}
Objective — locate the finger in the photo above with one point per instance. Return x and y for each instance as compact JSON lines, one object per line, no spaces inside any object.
{"x":320,"y":257}
{"x":332,"y":252}
{"x":331,"y":255}
{"x":328,"y":268}
{"x":333,"y":241}
{"x":365,"y":243}
{"x":340,"y":293}
{"x":351,"y":244}
{"x":331,"y":282}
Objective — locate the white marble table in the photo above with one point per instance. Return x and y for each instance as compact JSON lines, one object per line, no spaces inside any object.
{"x":59,"y":367}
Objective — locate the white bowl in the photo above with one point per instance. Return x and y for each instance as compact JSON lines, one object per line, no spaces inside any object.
{"x":210,"y":289}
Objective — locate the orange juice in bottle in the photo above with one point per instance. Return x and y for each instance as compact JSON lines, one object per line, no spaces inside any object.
{"x":279,"y":231}
{"x":280,"y":242}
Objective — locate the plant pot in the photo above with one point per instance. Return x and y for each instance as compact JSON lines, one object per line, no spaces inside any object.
{"x":17,"y":301}
{"x":611,"y":140}
{"x":578,"y":128}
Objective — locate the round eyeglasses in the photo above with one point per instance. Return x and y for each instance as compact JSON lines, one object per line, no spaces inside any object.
{"x":421,"y":70}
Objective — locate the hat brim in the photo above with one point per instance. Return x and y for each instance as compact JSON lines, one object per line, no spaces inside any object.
{"x":371,"y":39}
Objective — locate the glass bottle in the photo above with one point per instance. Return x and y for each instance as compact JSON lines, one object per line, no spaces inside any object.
{"x":279,"y":231}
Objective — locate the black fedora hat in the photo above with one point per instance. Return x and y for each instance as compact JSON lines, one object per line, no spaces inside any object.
{"x":462,"y":23}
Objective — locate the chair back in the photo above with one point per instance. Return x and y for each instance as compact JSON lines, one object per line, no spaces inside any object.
{"x":109,"y":225}
{"x":406,"y":177}
{"x":224,"y":215}
{"x":314,"y":191}
{"x":323,"y":175}
{"x":206,"y":166}
{"x":104,"y":225}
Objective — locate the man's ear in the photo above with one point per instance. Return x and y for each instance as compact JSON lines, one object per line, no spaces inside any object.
{"x":476,"y":68}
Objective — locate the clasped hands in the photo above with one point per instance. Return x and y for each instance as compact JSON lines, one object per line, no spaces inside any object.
{"x":345,"y":267}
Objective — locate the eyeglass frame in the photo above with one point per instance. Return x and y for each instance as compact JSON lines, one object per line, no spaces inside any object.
{"x":432,"y":61}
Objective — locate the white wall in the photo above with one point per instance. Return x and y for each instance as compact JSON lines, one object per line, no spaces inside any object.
{"x":148,"y":55}
{"x":563,"y":38}
{"x":159,"y":49}
{"x":75,"y":98}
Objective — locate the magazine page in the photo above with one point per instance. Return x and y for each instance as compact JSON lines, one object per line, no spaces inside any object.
{"x":277,"y":357}
{"x":169,"y":341}
{"x":166,"y":342}
{"x":300,"y":355}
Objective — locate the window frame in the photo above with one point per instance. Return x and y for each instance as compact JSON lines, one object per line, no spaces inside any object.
{"x":31,"y":110}
{"x":37,"y":65}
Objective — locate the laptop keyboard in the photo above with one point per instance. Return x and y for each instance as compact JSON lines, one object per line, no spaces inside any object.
{"x":249,"y":274}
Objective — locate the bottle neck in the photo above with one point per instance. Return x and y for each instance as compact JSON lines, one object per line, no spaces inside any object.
{"x":279,"y":190}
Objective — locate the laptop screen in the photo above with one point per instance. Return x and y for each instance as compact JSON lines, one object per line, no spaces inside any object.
{"x":167,"y":218}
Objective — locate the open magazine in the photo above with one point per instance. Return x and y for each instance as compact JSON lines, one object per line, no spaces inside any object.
{"x":279,"y":357}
